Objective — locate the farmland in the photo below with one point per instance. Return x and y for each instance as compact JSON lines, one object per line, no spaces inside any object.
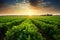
{"x":29,"y":27}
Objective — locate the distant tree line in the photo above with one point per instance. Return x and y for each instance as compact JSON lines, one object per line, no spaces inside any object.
{"x":47,"y":15}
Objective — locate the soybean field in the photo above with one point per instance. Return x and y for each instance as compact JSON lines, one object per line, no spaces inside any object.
{"x":29,"y":27}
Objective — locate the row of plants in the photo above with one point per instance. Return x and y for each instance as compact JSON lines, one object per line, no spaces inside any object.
{"x":25,"y":31}
{"x":50,"y":32}
{"x":4,"y":19}
{"x":51,"y":22}
{"x":6,"y":26}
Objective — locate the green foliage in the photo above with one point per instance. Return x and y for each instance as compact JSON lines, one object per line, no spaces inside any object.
{"x":56,"y":35}
{"x":34,"y":28}
{"x":48,"y":27}
{"x":25,"y":31}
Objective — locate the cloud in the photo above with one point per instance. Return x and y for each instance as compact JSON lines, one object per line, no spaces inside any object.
{"x":42,"y":3}
{"x":46,"y":3}
{"x":45,"y":6}
{"x":54,"y":3}
{"x":7,"y":3}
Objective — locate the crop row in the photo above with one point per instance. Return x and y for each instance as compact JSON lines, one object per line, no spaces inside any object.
{"x":5,"y":19}
{"x":24,"y":31}
{"x":51,"y":22}
{"x":50,"y":32}
{"x":6,"y":26}
{"x":19,"y":28}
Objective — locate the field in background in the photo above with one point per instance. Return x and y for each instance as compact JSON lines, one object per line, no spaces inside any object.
{"x":29,"y":27}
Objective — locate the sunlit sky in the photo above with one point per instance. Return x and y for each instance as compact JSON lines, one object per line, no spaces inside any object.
{"x":29,"y":7}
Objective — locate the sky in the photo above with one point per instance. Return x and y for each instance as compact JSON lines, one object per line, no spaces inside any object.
{"x":29,"y":7}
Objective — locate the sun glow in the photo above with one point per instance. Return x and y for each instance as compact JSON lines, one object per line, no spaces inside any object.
{"x":22,"y":9}
{"x":28,"y":10}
